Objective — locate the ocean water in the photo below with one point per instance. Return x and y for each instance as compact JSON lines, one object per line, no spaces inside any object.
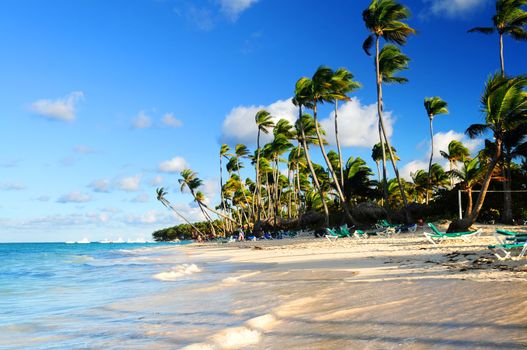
{"x":60,"y":296}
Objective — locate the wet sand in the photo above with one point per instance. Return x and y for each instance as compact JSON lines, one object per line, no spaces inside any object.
{"x":400,"y":292}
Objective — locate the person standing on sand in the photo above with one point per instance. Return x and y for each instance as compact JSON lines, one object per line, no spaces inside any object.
{"x":241,"y":235}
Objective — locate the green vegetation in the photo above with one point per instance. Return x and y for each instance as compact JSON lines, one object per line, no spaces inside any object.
{"x":337,"y":192}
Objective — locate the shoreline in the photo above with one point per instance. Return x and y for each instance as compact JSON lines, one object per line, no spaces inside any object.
{"x":414,"y":294}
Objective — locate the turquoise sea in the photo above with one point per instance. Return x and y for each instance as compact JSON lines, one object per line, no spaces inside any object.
{"x":58,"y":296}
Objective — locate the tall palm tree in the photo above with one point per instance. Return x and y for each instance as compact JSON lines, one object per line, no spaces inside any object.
{"x":384,"y":19}
{"x":264,"y":122}
{"x":241,"y":151}
{"x":224,"y":149}
{"x":504,"y":104}
{"x":433,"y":106}
{"x":305,"y":129}
{"x":312,"y":92}
{"x":161,"y":193}
{"x":342,"y":83}
{"x":510,"y":19}
{"x":388,"y":62}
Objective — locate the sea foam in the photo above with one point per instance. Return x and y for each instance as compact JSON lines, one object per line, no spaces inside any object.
{"x":178,"y":272}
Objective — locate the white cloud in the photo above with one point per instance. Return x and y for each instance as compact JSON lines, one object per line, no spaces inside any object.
{"x":157,"y":180}
{"x":441,"y":141}
{"x":74,"y":197}
{"x":412,"y":167}
{"x":142,"y":198}
{"x":210,"y":189}
{"x":149,"y":217}
{"x":130,"y":183}
{"x":142,"y":121}
{"x":233,"y":8}
{"x":101,"y":185}
{"x":357,"y":123}
{"x":170,"y":120}
{"x":173,"y":165}
{"x":12,"y":186}
{"x":455,"y":8}
{"x":239,"y":125}
{"x":59,"y":109}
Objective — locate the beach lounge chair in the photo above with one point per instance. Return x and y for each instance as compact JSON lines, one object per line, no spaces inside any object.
{"x":437,"y":236}
{"x":504,"y":251}
{"x":509,"y":241}
{"x":333,"y":235}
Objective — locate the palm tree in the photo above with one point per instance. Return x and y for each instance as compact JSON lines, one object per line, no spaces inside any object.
{"x":190,"y":180}
{"x":504,"y":103}
{"x":312,"y":92}
{"x":389,"y":61}
{"x":342,"y":84}
{"x":377,"y":155}
{"x":264,"y":123}
{"x":514,"y":145}
{"x":470,"y":174}
{"x":357,"y":178}
{"x":383,"y":18}
{"x":456,"y":152}
{"x":433,"y":106}
{"x":510,"y":19}
{"x":305,"y":129}
{"x":224,"y":149}
{"x":241,"y":151}
{"x":161,"y":193}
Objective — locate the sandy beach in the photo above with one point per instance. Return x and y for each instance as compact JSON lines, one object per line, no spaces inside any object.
{"x":380,"y":293}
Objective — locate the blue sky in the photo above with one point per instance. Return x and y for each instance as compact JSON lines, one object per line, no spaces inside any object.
{"x":103,"y":101}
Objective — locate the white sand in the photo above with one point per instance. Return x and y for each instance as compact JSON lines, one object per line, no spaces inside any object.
{"x":381,"y":293}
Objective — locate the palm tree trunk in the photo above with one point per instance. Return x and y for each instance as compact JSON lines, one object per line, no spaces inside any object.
{"x":429,"y":183}
{"x":338,"y":147}
{"x":384,"y":176}
{"x":469,"y":201}
{"x":502,"y":60}
{"x":298,"y":180}
{"x":312,"y":171}
{"x":167,"y":204}
{"x":330,"y":167}
{"x":243,"y":190}
{"x":379,"y":110}
{"x":507,"y":196}
{"x":257,"y":189}
{"x":485,"y":186}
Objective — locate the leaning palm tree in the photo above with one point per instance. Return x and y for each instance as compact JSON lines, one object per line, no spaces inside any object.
{"x":433,"y":106}
{"x":314,"y":91}
{"x":190,"y":181}
{"x":342,"y":84}
{"x":510,"y":19}
{"x":377,"y":155}
{"x":305,"y":129}
{"x":264,"y":122}
{"x":504,"y":104}
{"x":383,"y":18}
{"x":161,"y":193}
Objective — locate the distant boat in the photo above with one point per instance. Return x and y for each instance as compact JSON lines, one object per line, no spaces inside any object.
{"x":105,"y":241}
{"x":83,"y":241}
{"x":120,"y":240}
